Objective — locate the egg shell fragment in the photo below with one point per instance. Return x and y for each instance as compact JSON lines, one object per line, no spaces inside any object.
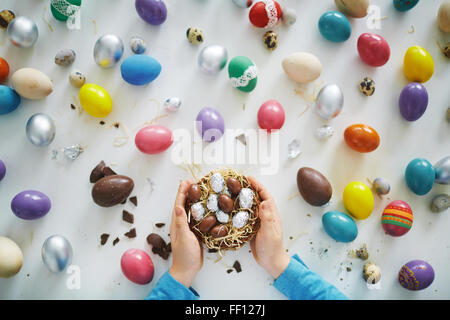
{"x":339,"y":226}
{"x":140,"y":69}
{"x":31,"y":84}
{"x":302,"y":67}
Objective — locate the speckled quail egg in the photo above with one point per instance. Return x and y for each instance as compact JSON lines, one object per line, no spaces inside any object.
{"x":367,"y":86}
{"x":195,"y":35}
{"x":77,"y":79}
{"x":270,"y":39}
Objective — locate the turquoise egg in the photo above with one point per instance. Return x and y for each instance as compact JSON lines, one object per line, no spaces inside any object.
{"x":140,"y":69}
{"x":340,"y":226}
{"x":9,"y":100}
{"x":334,"y":26}
{"x":405,"y":5}
{"x":420,"y":176}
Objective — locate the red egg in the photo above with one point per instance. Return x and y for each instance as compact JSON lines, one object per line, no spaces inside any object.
{"x":137,"y":266}
{"x":4,"y":70}
{"x":153,"y":139}
{"x":265,"y":14}
{"x":397,"y":218}
{"x":373,"y":49}
{"x":362,"y":138}
{"x":271,"y":116}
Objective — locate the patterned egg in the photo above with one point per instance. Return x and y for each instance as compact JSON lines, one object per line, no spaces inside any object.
{"x":6,"y":16}
{"x":362,"y":138}
{"x":440,"y":203}
{"x":195,"y":35}
{"x":367,"y":86}
{"x":243,"y":73}
{"x":138,"y":45}
{"x":358,"y":200}
{"x":62,"y":9}
{"x":381,"y":186}
{"x":30,"y":205}
{"x":9,"y":100}
{"x":339,"y":226}
{"x":217,"y":182}
{"x":246,"y":198}
{"x":243,"y":3}
{"x":76,"y":78}
{"x":270,"y":39}
{"x":353,"y":8}
{"x":373,"y":49}
{"x":140,"y":69}
{"x":444,"y":16}
{"x":418,"y":64}
{"x":442,"y":169}
{"x":397,"y":218}
{"x":240,"y":219}
{"x":153,"y":139}
{"x":65,"y":57}
{"x":334,"y":26}
{"x":197,"y":211}
{"x":31,"y":83}
{"x":95,"y":100}
{"x":404,"y":5}
{"x":265,"y":14}
{"x":420,"y":176}
{"x":213,"y":202}
{"x":416,"y":275}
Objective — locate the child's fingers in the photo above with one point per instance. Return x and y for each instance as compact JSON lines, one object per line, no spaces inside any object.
{"x":265,"y":195}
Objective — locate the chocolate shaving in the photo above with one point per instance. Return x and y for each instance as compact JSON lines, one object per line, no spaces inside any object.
{"x":127,"y":216}
{"x":133,"y":200}
{"x":107,"y":171}
{"x":159,"y":225}
{"x":116,"y":240}
{"x":116,"y":125}
{"x":97,"y":173}
{"x":237,"y":266}
{"x":124,"y":201}
{"x":131,"y":234}
{"x":103,"y":238}
{"x":159,"y":246}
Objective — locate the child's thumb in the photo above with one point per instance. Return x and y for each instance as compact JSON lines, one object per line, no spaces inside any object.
{"x":180,"y":218}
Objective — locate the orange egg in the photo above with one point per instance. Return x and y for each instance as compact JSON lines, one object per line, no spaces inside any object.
{"x":4,"y":70}
{"x":362,"y":138}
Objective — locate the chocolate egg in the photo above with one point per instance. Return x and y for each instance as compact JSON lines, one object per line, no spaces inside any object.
{"x":207,"y":223}
{"x":194,"y":193}
{"x":226,"y":203}
{"x":416,"y":275}
{"x":233,"y":185}
{"x":219,"y":231}
{"x":314,"y":187}
{"x":112,"y":190}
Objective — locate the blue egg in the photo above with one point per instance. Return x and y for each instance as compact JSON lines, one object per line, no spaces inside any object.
{"x":139,"y":70}
{"x":334,"y":26}
{"x":9,"y":100}
{"x":420,"y":176}
{"x":404,"y":5}
{"x":340,"y":226}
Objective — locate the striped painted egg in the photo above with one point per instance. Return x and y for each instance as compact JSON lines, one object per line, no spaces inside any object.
{"x":397,"y":218}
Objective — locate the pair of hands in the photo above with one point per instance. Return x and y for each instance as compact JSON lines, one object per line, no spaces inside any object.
{"x":267,"y":246}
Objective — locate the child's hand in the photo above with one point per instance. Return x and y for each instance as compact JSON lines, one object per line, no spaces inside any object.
{"x":267,"y":246}
{"x":187,"y":253}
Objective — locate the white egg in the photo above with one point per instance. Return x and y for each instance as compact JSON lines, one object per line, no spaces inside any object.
{"x":31,"y":83}
{"x":302,"y":67}
{"x":11,"y":258}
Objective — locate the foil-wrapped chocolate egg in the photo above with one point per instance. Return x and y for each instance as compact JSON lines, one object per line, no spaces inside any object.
{"x":234,"y":186}
{"x":207,"y":223}
{"x":246,"y":198}
{"x":40,"y":130}
{"x":289,"y":16}
{"x":226,"y":203}
{"x":197,"y":211}
{"x":56,"y":253}
{"x":222,"y":217}
{"x":217,"y":182}
{"x":219,"y":231}
{"x":194,"y":193}
{"x":240,"y":219}
{"x":22,"y":32}
{"x":172,"y":104}
{"x":330,"y":101}
{"x":212,"y":59}
{"x":213,"y":203}
{"x":108,"y":50}
{"x":442,"y":169}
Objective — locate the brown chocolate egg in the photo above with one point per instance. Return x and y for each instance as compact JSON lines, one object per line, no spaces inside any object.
{"x":194,"y":193}
{"x":233,"y":185}
{"x":226,"y":203}
{"x":219,"y":231}
{"x":314,"y":187}
{"x":207,"y":223}
{"x":112,"y":190}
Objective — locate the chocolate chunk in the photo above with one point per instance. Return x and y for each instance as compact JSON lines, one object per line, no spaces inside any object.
{"x":103,"y":238}
{"x":97,"y":173}
{"x":131,"y":234}
{"x":116,"y":240}
{"x":102,"y":123}
{"x":127,"y":216}
{"x":133,"y":200}
{"x":212,"y":250}
{"x":169,"y":247}
{"x":159,"y":246}
{"x":72,"y":106}
{"x":116,"y":125}
{"x":237,"y":266}
{"x":160,"y":225}
{"x":107,"y":171}
{"x":112,"y":190}
{"x":229,"y":270}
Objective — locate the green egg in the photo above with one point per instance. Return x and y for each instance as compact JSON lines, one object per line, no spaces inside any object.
{"x":61,"y":9}
{"x":243,"y":73}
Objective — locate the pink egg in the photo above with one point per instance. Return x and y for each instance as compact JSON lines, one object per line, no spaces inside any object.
{"x":153,"y":139}
{"x":271,"y":116}
{"x":137,"y":266}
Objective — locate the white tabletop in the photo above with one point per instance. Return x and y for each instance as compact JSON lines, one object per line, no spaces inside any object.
{"x":75,"y":215}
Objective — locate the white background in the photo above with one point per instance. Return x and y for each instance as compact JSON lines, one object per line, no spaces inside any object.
{"x":75,"y":216}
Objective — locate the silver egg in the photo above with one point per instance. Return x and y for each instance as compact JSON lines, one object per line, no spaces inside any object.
{"x":442,"y":169}
{"x":212,"y":59}
{"x":243,"y":3}
{"x":172,"y":104}
{"x":381,"y":186}
{"x":22,"y":32}
{"x":57,"y":253}
{"x":330,"y":101}
{"x":108,"y":50}
{"x":289,"y":16}
{"x":440,"y":203}
{"x":40,"y":130}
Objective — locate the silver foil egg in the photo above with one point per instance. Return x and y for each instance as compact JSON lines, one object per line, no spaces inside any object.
{"x":381,"y":186}
{"x":212,"y":59}
{"x":330,"y":101}
{"x":442,"y":169}
{"x":22,"y":32}
{"x":222,"y":217}
{"x":240,"y":219}
{"x":440,"y":203}
{"x":289,"y":16}
{"x":217,"y":182}
{"x":172,"y":104}
{"x":197,"y":211}
{"x":138,"y":45}
{"x":57,"y":253}
{"x":108,"y":50}
{"x":40,"y":130}
{"x":213,"y":202}
{"x":246,"y":198}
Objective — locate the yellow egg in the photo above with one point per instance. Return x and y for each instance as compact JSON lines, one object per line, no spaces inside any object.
{"x":358,"y":200}
{"x":418,"y":64}
{"x":95,"y":100}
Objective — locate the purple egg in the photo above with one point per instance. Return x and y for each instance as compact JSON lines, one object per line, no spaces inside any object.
{"x":152,"y":11}
{"x":2,"y":170}
{"x":30,"y":205}
{"x":413,"y":101}
{"x":416,"y":275}
{"x":210,"y":124}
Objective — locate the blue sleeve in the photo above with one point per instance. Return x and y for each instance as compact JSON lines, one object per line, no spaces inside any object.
{"x":168,"y":288}
{"x":297,"y":282}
